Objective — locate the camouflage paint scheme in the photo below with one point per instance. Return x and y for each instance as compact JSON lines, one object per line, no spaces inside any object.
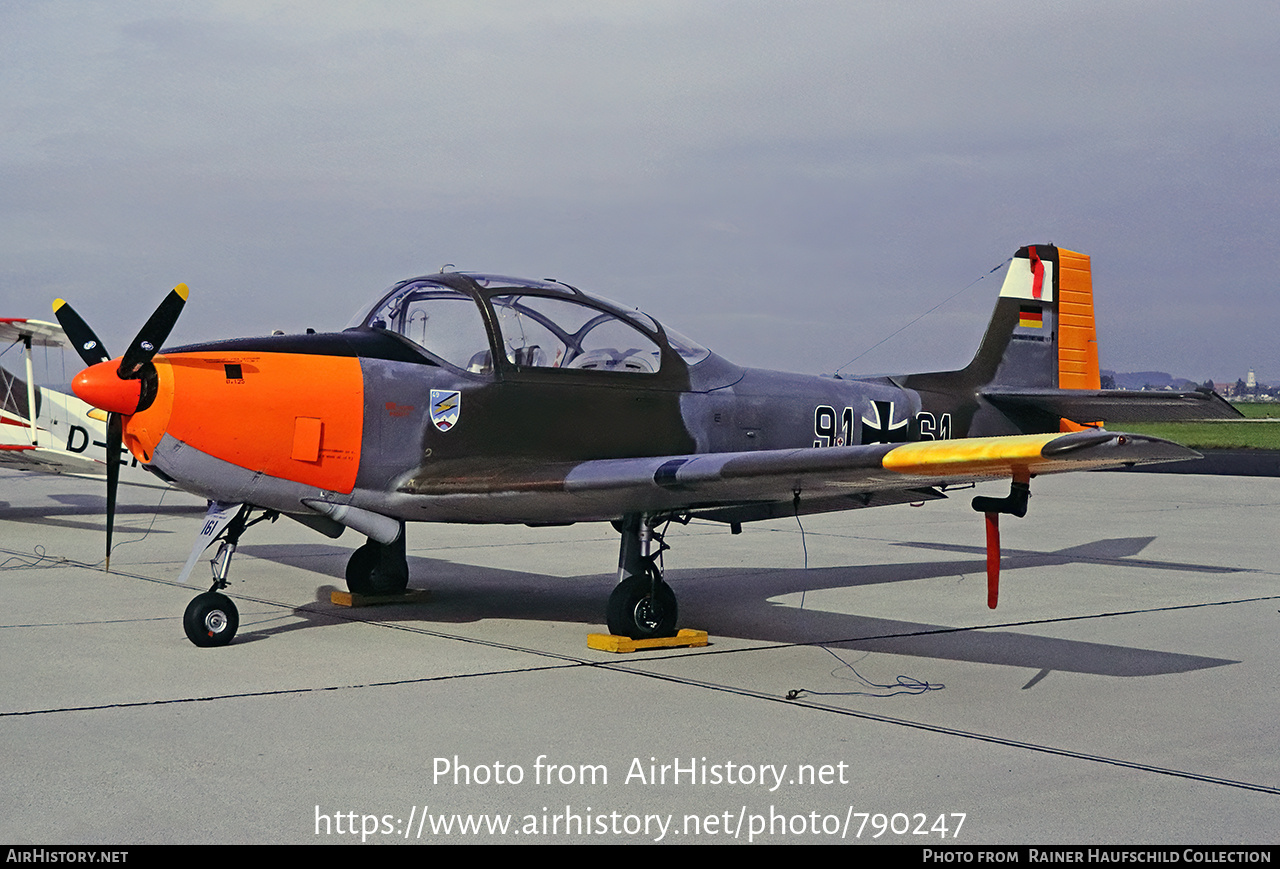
{"x":503,"y":430}
{"x":524,"y":433}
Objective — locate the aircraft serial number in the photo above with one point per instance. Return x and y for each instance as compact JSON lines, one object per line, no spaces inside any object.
{"x":837,"y":430}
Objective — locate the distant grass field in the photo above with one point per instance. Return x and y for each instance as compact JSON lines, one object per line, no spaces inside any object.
{"x":1221,"y":434}
{"x":1259,"y":409}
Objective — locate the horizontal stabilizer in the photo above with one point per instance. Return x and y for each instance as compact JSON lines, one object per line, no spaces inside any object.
{"x":1115,"y":405}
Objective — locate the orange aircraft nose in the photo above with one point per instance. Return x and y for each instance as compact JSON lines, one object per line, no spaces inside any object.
{"x":102,"y":386}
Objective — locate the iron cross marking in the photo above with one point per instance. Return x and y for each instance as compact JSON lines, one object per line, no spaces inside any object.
{"x":879,"y":427}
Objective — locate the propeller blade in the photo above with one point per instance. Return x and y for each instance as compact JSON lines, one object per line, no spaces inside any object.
{"x":153,"y":333}
{"x":79,"y":334}
{"x":115,"y":443}
{"x":106,"y":390}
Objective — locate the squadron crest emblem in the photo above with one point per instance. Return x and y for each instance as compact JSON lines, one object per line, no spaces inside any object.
{"x":446,"y":405}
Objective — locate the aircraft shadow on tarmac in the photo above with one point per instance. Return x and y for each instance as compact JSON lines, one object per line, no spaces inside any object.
{"x":92,"y":507}
{"x":737,"y":603}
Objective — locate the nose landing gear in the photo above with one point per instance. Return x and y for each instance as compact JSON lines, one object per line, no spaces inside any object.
{"x":211,"y":619}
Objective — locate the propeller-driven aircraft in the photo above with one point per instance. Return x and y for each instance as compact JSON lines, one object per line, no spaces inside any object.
{"x":42,"y":429}
{"x":475,"y":398}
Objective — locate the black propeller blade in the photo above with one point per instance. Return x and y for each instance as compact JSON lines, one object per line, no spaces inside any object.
{"x":153,"y":333}
{"x":79,"y":334}
{"x":132,"y":367}
{"x":115,"y":444}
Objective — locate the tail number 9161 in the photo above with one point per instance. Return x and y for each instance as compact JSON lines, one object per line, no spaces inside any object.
{"x":878,"y":426}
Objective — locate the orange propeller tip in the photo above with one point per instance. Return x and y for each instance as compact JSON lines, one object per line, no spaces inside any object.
{"x":182,"y":290}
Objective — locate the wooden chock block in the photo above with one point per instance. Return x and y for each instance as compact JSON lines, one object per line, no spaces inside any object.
{"x":685,"y":638}
{"x":346,"y":598}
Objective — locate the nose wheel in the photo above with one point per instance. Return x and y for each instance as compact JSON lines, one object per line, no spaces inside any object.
{"x":211,"y":620}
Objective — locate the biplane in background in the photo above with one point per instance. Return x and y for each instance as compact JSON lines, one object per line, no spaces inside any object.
{"x":42,"y":429}
{"x":477,"y":398}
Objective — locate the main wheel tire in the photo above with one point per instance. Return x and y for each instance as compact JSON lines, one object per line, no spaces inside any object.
{"x":365,"y":573}
{"x":642,"y":608}
{"x":360,"y":568}
{"x":211,"y":620}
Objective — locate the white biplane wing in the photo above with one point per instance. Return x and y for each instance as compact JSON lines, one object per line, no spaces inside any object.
{"x":43,"y":429}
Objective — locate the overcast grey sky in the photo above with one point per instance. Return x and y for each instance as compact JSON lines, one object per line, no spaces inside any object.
{"x":786,"y":182}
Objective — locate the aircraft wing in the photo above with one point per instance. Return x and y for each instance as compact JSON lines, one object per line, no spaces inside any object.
{"x":750,"y":475}
{"x":39,"y":332}
{"x":720,"y":485}
{"x":1117,"y":405}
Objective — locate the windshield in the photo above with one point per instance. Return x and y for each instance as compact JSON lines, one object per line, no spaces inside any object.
{"x":437,"y":318}
{"x":690,"y":351}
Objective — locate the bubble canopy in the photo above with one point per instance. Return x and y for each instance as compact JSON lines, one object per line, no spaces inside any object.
{"x":469,"y":320}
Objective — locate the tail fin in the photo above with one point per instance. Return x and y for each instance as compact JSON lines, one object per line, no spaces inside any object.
{"x":1036,"y":370}
{"x":1042,"y":332}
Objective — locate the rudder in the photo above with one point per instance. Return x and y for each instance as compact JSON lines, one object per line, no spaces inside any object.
{"x":1077,"y":335}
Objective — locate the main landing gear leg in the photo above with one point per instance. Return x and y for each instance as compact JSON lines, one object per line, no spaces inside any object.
{"x":379,"y":568}
{"x":211,"y":618}
{"x":642,"y":605}
{"x":1015,"y":504}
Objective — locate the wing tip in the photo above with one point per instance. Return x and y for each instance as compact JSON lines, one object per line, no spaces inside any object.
{"x":1143,"y":449}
